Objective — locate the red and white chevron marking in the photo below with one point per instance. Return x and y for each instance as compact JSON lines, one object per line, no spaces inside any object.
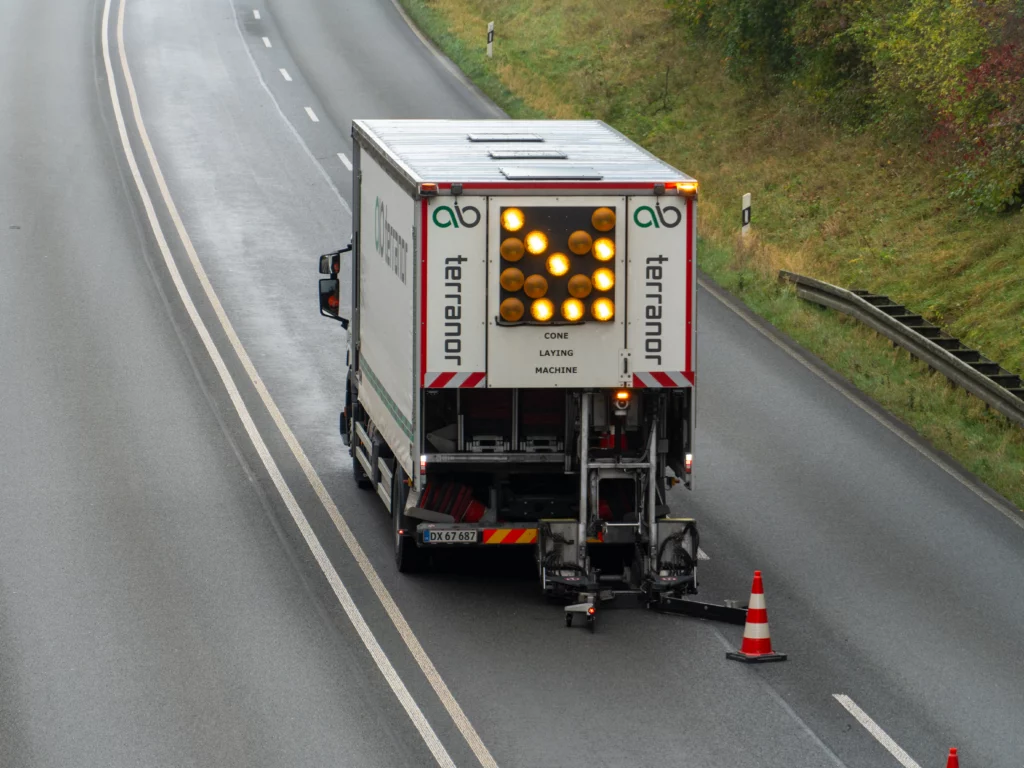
{"x":454,"y":380}
{"x":654,"y":379}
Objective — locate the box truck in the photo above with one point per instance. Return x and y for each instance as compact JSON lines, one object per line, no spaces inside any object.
{"x":522,"y":348}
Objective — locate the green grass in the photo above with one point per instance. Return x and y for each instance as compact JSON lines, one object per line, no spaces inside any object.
{"x":848,"y":209}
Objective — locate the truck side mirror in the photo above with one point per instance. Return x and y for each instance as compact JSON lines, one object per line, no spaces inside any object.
{"x":330,"y":300}
{"x":330,"y":263}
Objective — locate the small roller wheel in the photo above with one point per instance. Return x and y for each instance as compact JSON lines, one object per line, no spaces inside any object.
{"x":568,"y":619}
{"x":591,"y":622}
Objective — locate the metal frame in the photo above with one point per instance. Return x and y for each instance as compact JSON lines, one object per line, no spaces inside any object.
{"x":916,"y":344}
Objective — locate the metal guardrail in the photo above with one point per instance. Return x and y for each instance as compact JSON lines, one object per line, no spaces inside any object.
{"x":965,"y":367}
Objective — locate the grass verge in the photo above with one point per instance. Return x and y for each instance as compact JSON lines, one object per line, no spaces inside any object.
{"x":847,"y":209}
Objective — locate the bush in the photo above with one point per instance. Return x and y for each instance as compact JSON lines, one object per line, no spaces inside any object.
{"x":945,"y":72}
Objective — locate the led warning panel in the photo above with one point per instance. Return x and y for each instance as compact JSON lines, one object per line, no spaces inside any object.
{"x":558,"y":254}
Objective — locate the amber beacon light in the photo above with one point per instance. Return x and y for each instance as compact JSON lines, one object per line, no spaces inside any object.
{"x":558,"y":264}
{"x":542,"y":310}
{"x":512,"y":219}
{"x":536,"y":242}
{"x":512,"y":310}
{"x":512,"y":279}
{"x":604,"y":279}
{"x":603,"y":310}
{"x":572,"y":310}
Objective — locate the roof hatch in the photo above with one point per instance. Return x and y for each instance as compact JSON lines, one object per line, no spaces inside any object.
{"x":504,"y":137}
{"x":527,"y":154}
{"x":550,"y":173}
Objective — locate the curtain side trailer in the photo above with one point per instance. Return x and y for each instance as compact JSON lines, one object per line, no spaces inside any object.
{"x":522,"y":348}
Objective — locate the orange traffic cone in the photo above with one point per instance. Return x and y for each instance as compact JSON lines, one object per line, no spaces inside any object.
{"x":757,"y":642}
{"x":952,"y":761}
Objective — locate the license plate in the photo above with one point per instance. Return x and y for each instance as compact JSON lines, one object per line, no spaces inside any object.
{"x":450,"y":536}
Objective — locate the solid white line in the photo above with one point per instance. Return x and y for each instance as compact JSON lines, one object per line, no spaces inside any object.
{"x":735,"y":306}
{"x":345,"y":161}
{"x":285,"y":75}
{"x":410,"y":639}
{"x":875,"y":730}
{"x":341,"y":592}
{"x":312,"y":115}
{"x":256,"y":15}
{"x":266,"y":42}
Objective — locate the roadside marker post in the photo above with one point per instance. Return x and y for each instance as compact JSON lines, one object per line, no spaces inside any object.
{"x":490,"y":39}
{"x":745,"y":230}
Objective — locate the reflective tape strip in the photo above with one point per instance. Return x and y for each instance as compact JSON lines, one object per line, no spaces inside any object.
{"x":510,"y":535}
{"x":659,"y":379}
{"x":755,"y":632}
{"x":435,"y":380}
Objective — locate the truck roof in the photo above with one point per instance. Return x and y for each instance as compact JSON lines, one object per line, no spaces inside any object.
{"x":512,"y":151}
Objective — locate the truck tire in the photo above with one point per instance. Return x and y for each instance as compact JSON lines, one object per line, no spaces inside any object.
{"x":408,"y":557}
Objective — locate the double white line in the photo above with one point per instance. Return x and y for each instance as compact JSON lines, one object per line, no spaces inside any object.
{"x":385,"y":666}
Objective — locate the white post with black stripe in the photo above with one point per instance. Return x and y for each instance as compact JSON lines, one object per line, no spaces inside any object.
{"x":490,"y":40}
{"x":745,"y":229}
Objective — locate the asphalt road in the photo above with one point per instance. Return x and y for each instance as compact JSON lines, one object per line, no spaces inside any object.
{"x":152,"y":610}
{"x":157,"y":605}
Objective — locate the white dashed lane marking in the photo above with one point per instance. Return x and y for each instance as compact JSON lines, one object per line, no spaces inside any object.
{"x":875,"y":730}
{"x":256,"y":15}
{"x":312,"y":115}
{"x":345,"y":161}
{"x":285,"y":75}
{"x":266,"y":42}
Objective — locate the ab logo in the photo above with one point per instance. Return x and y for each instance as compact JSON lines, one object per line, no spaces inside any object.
{"x":445,"y":217}
{"x":669,"y":216}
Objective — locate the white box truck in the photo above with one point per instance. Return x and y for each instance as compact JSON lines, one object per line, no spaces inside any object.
{"x":521,"y":348}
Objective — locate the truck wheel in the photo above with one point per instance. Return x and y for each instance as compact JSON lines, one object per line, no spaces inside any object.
{"x":408,"y":557}
{"x":364,"y":482}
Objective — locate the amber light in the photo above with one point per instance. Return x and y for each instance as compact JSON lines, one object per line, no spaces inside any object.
{"x":603,"y":219}
{"x":536,"y":242}
{"x":602,"y":309}
{"x":572,"y":310}
{"x":580,"y":286}
{"x":512,"y":279}
{"x":604,"y":249}
{"x":512,"y":310}
{"x":512,"y":219}
{"x":535,"y":286}
{"x":604,"y":279}
{"x":558,"y":264}
{"x":688,"y":188}
{"x":580,"y":242}
{"x":512,"y":249}
{"x":542,"y":310}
